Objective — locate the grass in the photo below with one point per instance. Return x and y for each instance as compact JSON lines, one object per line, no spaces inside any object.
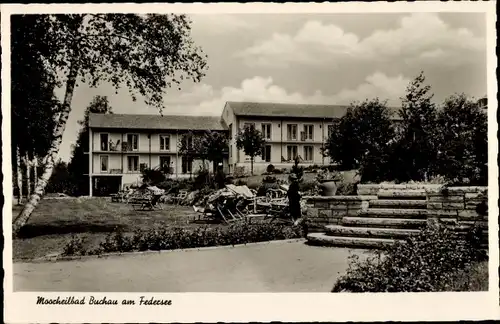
{"x":55,"y":221}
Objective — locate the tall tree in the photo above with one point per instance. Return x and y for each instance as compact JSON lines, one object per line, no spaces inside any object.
{"x":363,"y":130}
{"x":251,"y":141}
{"x":462,"y":141}
{"x":33,"y":103}
{"x":215,"y":144}
{"x":78,"y":165}
{"x":416,"y":151}
{"x":145,"y":53}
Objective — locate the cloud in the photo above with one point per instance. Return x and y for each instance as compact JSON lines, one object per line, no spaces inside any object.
{"x":204,"y":100}
{"x":419,"y":37}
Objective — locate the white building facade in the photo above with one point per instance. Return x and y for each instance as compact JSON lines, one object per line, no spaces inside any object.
{"x":123,"y":145}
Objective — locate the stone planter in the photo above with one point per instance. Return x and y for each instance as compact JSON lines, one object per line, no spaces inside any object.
{"x":328,"y":188}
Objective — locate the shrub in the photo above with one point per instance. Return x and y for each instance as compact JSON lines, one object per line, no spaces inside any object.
{"x":75,"y":246}
{"x":168,"y":238}
{"x":279,"y":171}
{"x":270,"y":168}
{"x":427,"y":262}
{"x":153,"y":176}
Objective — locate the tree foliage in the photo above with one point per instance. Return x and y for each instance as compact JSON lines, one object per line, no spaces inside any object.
{"x":145,"y":53}
{"x":361,"y":137}
{"x":33,"y":103}
{"x":462,"y":141}
{"x":251,"y":141}
{"x":416,"y":151}
{"x":207,"y":146}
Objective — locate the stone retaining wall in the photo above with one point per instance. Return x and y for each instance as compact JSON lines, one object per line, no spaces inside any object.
{"x":323,"y":211}
{"x":453,"y":205}
{"x":459,"y":205}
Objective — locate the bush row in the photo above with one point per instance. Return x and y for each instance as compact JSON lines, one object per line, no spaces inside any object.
{"x":169,"y":238}
{"x":432,"y":261}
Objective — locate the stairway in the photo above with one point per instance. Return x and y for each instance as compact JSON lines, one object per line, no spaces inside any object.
{"x":395,"y":215}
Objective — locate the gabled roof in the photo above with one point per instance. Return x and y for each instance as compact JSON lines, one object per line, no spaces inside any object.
{"x":268,"y":109}
{"x":155,"y":122}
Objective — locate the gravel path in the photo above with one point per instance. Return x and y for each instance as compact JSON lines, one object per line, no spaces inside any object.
{"x":270,"y":267}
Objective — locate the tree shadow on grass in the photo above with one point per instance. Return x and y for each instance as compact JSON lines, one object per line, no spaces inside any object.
{"x":34,"y":230}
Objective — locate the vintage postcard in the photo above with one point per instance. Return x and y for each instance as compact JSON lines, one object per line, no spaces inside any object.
{"x":250,"y":162}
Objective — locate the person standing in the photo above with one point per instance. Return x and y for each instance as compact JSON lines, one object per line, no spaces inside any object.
{"x":220,"y":177}
{"x":294,"y":198}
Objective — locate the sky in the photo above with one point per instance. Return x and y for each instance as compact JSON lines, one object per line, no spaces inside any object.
{"x":315,"y":58}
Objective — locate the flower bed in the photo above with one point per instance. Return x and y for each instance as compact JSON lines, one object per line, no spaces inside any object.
{"x":170,"y":238}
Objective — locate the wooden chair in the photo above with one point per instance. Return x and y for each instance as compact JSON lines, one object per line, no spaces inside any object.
{"x":180,"y":197}
{"x":146,"y":202}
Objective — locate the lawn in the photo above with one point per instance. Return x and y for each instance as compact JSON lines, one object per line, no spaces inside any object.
{"x":55,"y":221}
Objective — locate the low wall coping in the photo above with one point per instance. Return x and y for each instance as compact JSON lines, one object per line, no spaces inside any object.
{"x":339,"y":198}
{"x":399,"y":186}
{"x":459,"y":190}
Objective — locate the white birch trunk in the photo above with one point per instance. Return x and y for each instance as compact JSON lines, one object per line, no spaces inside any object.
{"x":19,"y":177}
{"x":52,"y":153}
{"x":35,"y":171}
{"x":27,"y":163}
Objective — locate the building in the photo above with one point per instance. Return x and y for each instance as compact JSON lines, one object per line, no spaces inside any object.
{"x":121,"y":145}
{"x":290,"y":131}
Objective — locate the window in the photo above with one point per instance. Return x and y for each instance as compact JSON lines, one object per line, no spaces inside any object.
{"x":188,"y":141}
{"x":104,"y":163}
{"x":104,"y":142}
{"x":292,"y":132}
{"x":330,"y":130}
{"x":266,"y":153}
{"x":309,"y":132}
{"x":230,"y":151}
{"x":230,"y":131}
{"x":266,"y":131}
{"x":245,"y":125}
{"x":133,"y":163}
{"x":164,"y":142}
{"x":187,"y":164}
{"x":133,"y":142}
{"x":308,"y":153}
{"x":165,"y":163}
{"x":291,"y":152}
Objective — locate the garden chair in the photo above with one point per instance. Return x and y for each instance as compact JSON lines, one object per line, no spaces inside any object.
{"x":180,"y":197}
{"x":146,"y":202}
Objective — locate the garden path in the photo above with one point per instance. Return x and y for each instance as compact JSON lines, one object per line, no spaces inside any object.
{"x":268,"y":267}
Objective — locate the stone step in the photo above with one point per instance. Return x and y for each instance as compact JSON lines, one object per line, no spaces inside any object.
{"x":353,"y":242}
{"x":398,"y":203}
{"x":401,"y":194}
{"x":337,"y":230}
{"x":393,"y":212}
{"x":403,"y":223}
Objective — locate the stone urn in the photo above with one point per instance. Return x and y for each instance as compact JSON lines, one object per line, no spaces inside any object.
{"x":328,"y":187}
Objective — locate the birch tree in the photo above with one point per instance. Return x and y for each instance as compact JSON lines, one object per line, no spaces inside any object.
{"x":33,"y":103}
{"x":145,"y":53}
